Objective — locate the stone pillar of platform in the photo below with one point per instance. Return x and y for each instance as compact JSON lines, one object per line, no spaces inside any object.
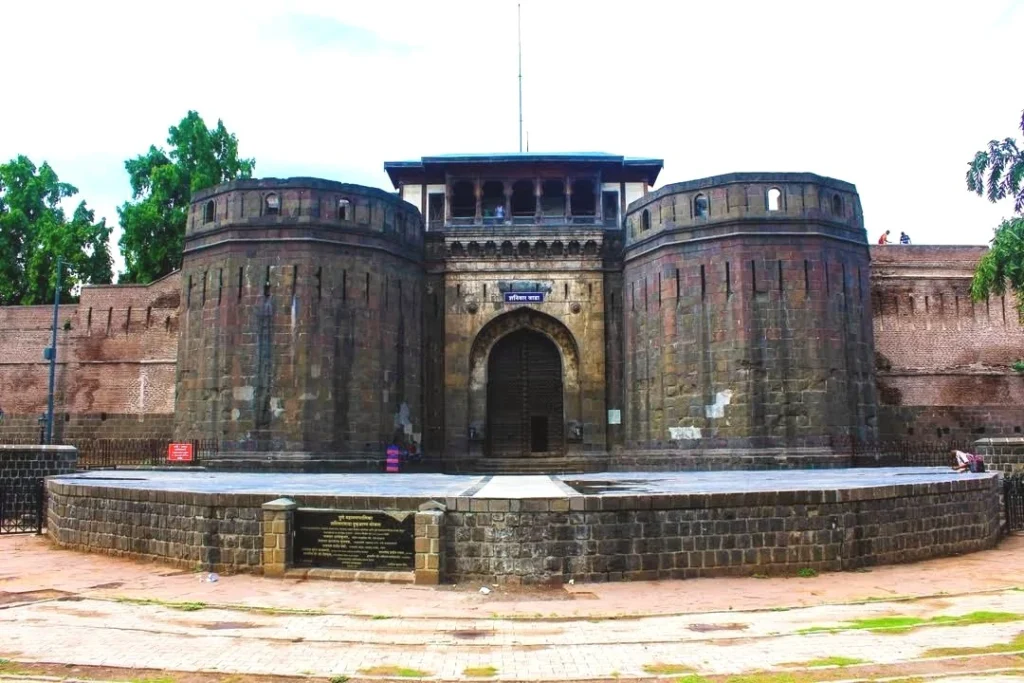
{"x":278,"y":523}
{"x":429,"y":544}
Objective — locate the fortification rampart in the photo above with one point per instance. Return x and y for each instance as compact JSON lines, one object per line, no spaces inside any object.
{"x":944,"y":361}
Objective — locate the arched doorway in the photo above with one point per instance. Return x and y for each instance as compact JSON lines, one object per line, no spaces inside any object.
{"x":524,"y":396}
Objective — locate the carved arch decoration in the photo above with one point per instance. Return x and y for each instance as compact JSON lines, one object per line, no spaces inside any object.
{"x":523,"y":318}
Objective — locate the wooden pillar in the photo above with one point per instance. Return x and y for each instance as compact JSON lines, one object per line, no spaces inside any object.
{"x":538,"y":190}
{"x":568,"y":199}
{"x":507,"y":189}
{"x":447,"y":200}
{"x":478,"y":191}
{"x":598,"y":202}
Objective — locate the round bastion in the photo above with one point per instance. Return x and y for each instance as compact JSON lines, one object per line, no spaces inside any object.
{"x":300,"y":330}
{"x":747,"y":316}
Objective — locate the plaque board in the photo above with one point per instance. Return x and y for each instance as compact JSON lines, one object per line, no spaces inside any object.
{"x":354,"y":539}
{"x":614,"y":417}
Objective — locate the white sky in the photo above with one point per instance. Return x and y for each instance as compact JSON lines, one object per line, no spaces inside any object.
{"x":893,"y":96}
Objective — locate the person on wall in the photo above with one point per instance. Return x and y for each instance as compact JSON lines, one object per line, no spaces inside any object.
{"x":968,"y":462}
{"x":904,"y":238}
{"x":884,"y":239}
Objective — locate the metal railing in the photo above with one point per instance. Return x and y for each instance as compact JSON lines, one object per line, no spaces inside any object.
{"x":1013,"y":501}
{"x":23,"y":508}
{"x":903,"y":453}
{"x":112,"y":453}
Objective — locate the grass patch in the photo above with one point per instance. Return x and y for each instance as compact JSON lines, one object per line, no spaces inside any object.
{"x":900,"y":624}
{"x":183,"y":606}
{"x":807,"y":573}
{"x":480,"y":671}
{"x":338,"y":679}
{"x":667,"y":669}
{"x":398,"y":671}
{"x":380,"y":617}
{"x":692,"y":678}
{"x":831,"y":661}
{"x":997,"y":648}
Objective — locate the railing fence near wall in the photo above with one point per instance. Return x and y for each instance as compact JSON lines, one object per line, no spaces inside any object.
{"x":23,"y":508}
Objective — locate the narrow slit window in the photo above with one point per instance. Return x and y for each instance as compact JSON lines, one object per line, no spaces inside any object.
{"x":367,"y":289}
{"x":781,"y":286}
{"x":240,"y":272}
{"x":753,"y":277}
{"x":645,"y":221}
{"x":295,"y":278}
{"x":807,"y":277}
{"x":774,"y":199}
{"x":319,"y":282}
{"x":220,"y":285}
{"x":703,"y":285}
{"x":209,"y":210}
{"x":344,"y":285}
{"x":344,"y":210}
{"x":266,"y":283}
{"x":677,"y":283}
{"x":204,"y":288}
{"x":728,"y":280}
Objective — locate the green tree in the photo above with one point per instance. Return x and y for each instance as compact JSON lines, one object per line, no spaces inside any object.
{"x":162,"y":185}
{"x":997,"y":173}
{"x":34,"y":231}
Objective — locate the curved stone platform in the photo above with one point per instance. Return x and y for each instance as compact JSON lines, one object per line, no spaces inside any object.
{"x":592,"y":527}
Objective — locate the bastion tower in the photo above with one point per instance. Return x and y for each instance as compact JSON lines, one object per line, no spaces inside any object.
{"x":747,"y":317}
{"x":300,"y":338}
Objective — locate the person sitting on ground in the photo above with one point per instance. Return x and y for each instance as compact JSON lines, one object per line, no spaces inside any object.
{"x":884,"y":239}
{"x":968,"y":462}
{"x":904,"y":238}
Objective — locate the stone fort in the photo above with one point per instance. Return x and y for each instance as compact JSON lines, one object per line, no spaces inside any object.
{"x":528,"y":312}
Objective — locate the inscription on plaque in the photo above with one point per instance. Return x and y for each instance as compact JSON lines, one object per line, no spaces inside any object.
{"x":343,"y":539}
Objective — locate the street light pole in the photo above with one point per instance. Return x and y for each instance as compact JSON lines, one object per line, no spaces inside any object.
{"x":52,"y":353}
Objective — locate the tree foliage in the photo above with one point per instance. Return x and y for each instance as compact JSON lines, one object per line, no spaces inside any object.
{"x":34,"y":231}
{"x":998,"y":173}
{"x":1000,"y":169}
{"x":162,"y":186}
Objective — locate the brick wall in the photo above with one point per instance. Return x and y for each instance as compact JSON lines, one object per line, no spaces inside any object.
{"x":116,"y":352}
{"x":943,"y":361}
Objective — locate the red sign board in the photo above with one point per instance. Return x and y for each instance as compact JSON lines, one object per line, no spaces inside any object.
{"x":179,"y":452}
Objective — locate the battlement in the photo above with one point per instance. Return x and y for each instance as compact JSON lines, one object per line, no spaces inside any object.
{"x":313,"y":209}
{"x":777,"y":201}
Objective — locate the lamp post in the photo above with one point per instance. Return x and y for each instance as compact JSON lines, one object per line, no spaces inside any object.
{"x":51,"y":355}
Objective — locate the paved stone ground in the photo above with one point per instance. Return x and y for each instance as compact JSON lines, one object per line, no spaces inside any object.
{"x":59,"y":606}
{"x":536,"y":486}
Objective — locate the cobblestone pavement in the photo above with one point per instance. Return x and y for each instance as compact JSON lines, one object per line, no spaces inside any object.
{"x":58,"y":606}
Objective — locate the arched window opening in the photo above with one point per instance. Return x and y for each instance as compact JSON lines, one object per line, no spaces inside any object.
{"x":645,"y":221}
{"x":272,"y":205}
{"x":493,"y":200}
{"x":774,"y":199}
{"x":463,"y":200}
{"x":524,"y":202}
{"x":552,"y":201}
{"x":701,"y":206}
{"x":344,"y":209}
{"x":208,"y":212}
{"x":837,"y":205}
{"x":584,"y":201}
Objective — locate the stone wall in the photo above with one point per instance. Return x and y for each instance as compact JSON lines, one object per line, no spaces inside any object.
{"x":306,"y":352}
{"x":23,"y":466}
{"x":672,"y":537}
{"x":749,"y":326}
{"x":943,"y":361}
{"x":582,"y":537}
{"x":1002,"y":454}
